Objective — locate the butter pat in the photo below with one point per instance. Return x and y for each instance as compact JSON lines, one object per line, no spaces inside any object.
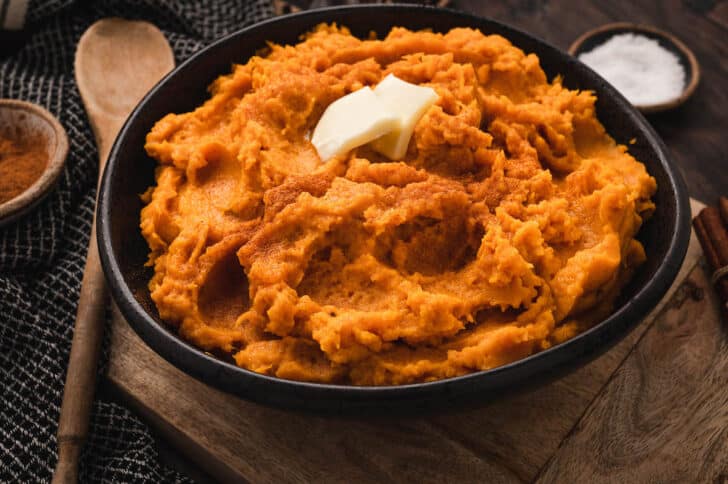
{"x":351,"y":121}
{"x":409,"y":102}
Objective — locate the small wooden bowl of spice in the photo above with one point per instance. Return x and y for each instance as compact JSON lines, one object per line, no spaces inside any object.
{"x":652,"y":68}
{"x":33,"y":149}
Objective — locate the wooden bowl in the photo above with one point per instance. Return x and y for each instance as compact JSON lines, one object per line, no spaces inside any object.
{"x":592,"y":38}
{"x":130,"y":171}
{"x":20,"y":119}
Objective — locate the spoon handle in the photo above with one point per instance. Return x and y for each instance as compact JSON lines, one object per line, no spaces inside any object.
{"x":78,"y":393}
{"x":117,"y":62}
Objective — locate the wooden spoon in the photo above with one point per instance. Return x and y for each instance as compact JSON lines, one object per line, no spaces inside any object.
{"x":117,"y":63}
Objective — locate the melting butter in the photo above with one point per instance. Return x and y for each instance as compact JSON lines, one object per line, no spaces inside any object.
{"x":385,"y":116}
{"x":409,"y":102}
{"x":351,"y":121}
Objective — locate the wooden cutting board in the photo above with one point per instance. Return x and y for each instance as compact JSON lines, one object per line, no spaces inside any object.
{"x":623,"y":417}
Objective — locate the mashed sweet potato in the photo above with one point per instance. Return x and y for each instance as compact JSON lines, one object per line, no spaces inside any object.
{"x":509,"y":226}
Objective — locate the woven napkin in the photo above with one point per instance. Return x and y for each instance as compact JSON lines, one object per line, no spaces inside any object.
{"x":42,"y":255}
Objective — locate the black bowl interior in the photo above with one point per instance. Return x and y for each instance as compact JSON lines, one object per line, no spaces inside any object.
{"x":129,"y":173}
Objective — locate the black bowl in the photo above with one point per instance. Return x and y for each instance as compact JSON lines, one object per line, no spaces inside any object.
{"x":129,"y":172}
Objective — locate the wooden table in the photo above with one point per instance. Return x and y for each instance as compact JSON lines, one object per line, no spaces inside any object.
{"x":653,"y":409}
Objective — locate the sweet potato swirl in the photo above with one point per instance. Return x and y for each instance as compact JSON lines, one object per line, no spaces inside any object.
{"x":509,"y":226}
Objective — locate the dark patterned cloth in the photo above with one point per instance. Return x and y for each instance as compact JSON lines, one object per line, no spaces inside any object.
{"x":42,"y":255}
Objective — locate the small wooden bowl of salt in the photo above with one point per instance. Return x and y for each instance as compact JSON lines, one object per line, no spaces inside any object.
{"x":33,"y":149}
{"x":653,"y":69}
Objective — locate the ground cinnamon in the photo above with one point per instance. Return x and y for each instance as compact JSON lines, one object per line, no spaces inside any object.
{"x":22,"y":161}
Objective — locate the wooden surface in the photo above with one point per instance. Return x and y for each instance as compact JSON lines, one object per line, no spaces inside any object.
{"x":663,"y":417}
{"x":652,"y":409}
{"x":637,"y":404}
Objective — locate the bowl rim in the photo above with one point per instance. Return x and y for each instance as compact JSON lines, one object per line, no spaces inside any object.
{"x":25,"y":201}
{"x":199,"y":364}
{"x":618,"y":27}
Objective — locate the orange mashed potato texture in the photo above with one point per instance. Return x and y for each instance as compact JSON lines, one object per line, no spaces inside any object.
{"x":509,"y":226}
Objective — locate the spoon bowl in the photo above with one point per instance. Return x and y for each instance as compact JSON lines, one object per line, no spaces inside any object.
{"x":22,"y":120}
{"x":117,"y":63}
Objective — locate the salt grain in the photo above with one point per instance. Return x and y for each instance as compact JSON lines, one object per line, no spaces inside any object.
{"x":639,"y":67}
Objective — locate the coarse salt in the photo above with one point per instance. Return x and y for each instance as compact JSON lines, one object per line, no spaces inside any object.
{"x":639,"y":67}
